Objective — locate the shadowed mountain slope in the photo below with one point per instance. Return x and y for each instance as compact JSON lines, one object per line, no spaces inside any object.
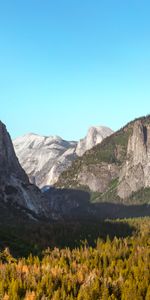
{"x":15,"y":187}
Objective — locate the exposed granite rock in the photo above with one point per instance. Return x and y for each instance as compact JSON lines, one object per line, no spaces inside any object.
{"x":94,"y":136}
{"x":118,"y":167}
{"x":45,"y":158}
{"x":14,"y":183}
{"x":98,"y":166}
{"x":97,"y":177}
{"x":135,"y":172}
{"x":8,"y":160}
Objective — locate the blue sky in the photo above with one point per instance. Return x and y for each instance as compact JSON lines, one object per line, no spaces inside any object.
{"x":68,"y":64}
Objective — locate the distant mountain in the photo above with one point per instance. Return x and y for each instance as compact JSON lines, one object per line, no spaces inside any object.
{"x":15,"y":188}
{"x":94,"y":136}
{"x":116,"y":170}
{"x":45,"y":158}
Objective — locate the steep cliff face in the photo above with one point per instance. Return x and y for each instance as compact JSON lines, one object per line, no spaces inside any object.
{"x":45,"y":158}
{"x":97,"y":177}
{"x":14,"y":184}
{"x":98,"y":166}
{"x":118,"y":167}
{"x":8,"y":161}
{"x":135,"y":172}
{"x":94,"y":136}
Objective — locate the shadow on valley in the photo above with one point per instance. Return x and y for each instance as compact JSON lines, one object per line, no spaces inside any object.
{"x":74,"y":220}
{"x":76,"y":204}
{"x":23,"y":239}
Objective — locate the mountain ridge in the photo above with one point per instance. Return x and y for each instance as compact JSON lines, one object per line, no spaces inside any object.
{"x":45,"y":158}
{"x":99,"y":167}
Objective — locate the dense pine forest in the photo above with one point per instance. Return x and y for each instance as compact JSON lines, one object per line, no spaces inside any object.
{"x":115,"y":268}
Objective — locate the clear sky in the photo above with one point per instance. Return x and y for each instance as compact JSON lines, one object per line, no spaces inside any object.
{"x":68,"y":64}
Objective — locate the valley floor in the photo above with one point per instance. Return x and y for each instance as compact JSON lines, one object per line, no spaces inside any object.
{"x":116,"y":268}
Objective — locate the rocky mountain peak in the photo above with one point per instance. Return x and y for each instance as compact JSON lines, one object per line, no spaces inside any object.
{"x":118,"y":168}
{"x":44,"y":158}
{"x":94,"y":136}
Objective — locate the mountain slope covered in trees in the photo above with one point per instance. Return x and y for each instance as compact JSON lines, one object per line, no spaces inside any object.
{"x":117,"y":170}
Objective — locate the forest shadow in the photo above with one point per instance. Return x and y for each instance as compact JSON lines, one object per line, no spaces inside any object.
{"x":36,"y":237}
{"x":74,"y":220}
{"x":74,"y":234}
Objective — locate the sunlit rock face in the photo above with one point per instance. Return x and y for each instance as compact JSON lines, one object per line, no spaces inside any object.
{"x":97,"y":177}
{"x":94,"y":136}
{"x":45,"y":158}
{"x":135,"y":173}
{"x":14,"y":183}
{"x":118,"y":168}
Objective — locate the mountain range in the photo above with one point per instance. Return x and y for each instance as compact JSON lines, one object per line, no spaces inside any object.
{"x":117,"y":169}
{"x":109,"y":180}
{"x":45,"y":158}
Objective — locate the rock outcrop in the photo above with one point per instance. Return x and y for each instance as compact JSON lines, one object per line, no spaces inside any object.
{"x":45,"y":158}
{"x":135,"y":173}
{"x":94,"y":136}
{"x":14,"y":183}
{"x":117,"y":168}
{"x":97,"y":177}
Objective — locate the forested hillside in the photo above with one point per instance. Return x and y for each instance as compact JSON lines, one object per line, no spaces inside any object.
{"x":117,"y":269}
{"x":117,"y":169}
